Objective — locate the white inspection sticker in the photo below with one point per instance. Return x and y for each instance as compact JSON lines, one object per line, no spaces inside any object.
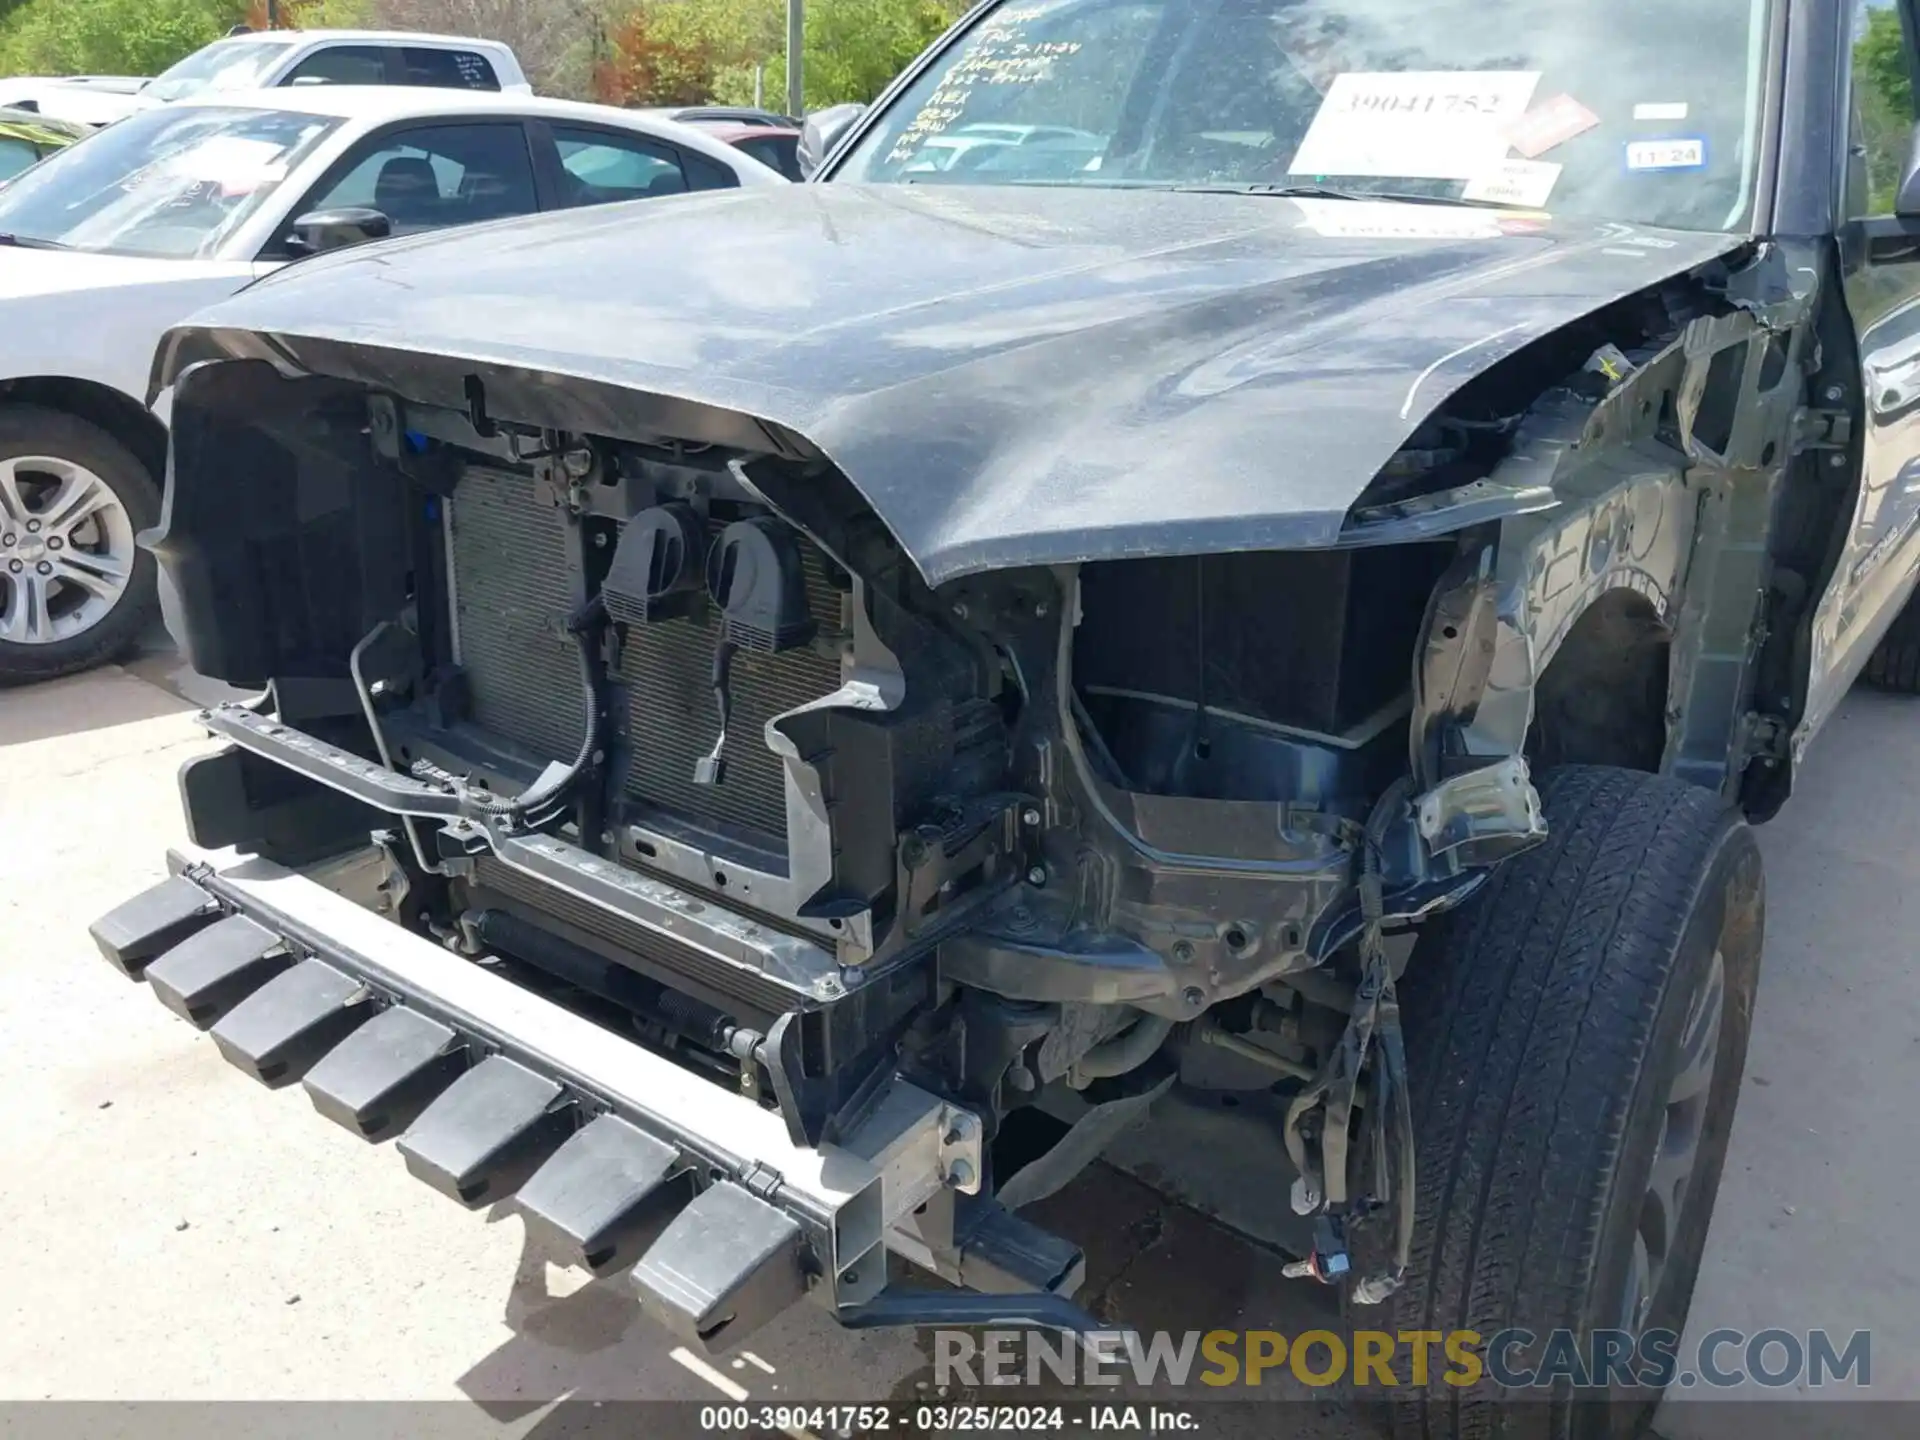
{"x":1660,"y":110}
{"x":1515,"y":182}
{"x":1414,"y":124}
{"x":1688,"y":154}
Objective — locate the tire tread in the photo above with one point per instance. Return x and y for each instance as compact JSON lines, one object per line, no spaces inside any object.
{"x":1528,"y":1016}
{"x":1895,"y":662}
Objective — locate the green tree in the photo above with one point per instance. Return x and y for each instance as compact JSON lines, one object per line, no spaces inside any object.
{"x":854,"y":47}
{"x":1880,"y":56}
{"x":121,"y":37}
{"x":1884,"y":87}
{"x":669,"y":52}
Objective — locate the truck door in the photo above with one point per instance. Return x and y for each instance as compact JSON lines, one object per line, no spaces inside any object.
{"x":1880,"y":549}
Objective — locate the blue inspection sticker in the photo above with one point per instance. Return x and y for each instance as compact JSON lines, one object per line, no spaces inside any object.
{"x":1682,"y":152}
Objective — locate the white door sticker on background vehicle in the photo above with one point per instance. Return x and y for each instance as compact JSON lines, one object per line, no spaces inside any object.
{"x":1414,"y":124}
{"x":1679,"y":154}
{"x":1526,"y":183}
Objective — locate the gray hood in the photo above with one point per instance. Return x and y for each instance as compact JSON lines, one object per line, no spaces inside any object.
{"x":1009,"y":375}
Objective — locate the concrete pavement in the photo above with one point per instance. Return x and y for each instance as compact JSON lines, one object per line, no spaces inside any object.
{"x":173,"y":1231}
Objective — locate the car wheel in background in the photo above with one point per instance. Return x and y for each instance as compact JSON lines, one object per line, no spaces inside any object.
{"x":74,"y":589}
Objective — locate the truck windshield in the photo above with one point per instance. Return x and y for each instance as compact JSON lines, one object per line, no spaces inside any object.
{"x":223,"y":65}
{"x":1644,"y":111}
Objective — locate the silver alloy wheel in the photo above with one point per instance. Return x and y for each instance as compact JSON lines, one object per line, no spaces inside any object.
{"x":1683,"y":1122}
{"x":66,"y":549}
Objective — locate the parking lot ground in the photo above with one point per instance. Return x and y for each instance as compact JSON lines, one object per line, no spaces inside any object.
{"x":173,"y":1231}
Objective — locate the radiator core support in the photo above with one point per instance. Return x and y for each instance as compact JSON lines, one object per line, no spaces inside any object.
{"x":520,"y":561}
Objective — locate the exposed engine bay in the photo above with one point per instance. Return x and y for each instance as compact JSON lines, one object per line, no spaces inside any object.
{"x":673,"y":731}
{"x":679,"y":735}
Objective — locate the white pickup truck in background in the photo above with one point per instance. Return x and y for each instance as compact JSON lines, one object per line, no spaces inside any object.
{"x":263,"y":60}
{"x":266,"y":59}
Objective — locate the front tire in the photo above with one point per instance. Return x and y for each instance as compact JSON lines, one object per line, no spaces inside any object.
{"x":1575,"y":1041}
{"x":1895,"y":662}
{"x":74,"y":590}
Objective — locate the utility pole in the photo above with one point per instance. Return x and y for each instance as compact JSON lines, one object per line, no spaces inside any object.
{"x":796,"y":43}
{"x":273,"y":14}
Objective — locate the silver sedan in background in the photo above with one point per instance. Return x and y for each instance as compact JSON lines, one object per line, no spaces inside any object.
{"x":112,"y":241}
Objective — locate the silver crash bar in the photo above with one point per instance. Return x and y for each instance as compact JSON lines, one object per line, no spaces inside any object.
{"x":746,"y":1223}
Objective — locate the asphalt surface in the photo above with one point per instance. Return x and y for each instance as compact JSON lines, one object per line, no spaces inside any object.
{"x":172,"y":1231}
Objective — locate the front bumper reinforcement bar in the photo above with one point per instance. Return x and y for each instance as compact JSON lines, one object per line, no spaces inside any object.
{"x":731,"y":939}
{"x":611,"y":1152}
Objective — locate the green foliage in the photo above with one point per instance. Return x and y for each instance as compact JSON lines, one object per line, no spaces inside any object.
{"x":1884,"y":87}
{"x":678,"y":52}
{"x":119,"y":37}
{"x":1881,"y":58}
{"x":854,"y":47}
{"x":140,"y":37}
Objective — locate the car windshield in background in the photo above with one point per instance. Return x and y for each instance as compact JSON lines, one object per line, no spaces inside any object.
{"x":163,"y":182}
{"x":1644,"y":112}
{"x":225,"y":65}
{"x":25,"y":137}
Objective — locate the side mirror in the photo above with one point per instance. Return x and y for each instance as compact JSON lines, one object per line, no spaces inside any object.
{"x":823,"y":130}
{"x":321,"y":230}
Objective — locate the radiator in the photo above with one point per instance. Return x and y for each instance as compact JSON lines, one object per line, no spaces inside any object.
{"x":516,"y":577}
{"x":672,"y":720}
{"x":660,"y":955}
{"x":515,"y":582}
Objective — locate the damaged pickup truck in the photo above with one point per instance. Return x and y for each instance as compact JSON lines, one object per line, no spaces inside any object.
{"x":1263,"y":592}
